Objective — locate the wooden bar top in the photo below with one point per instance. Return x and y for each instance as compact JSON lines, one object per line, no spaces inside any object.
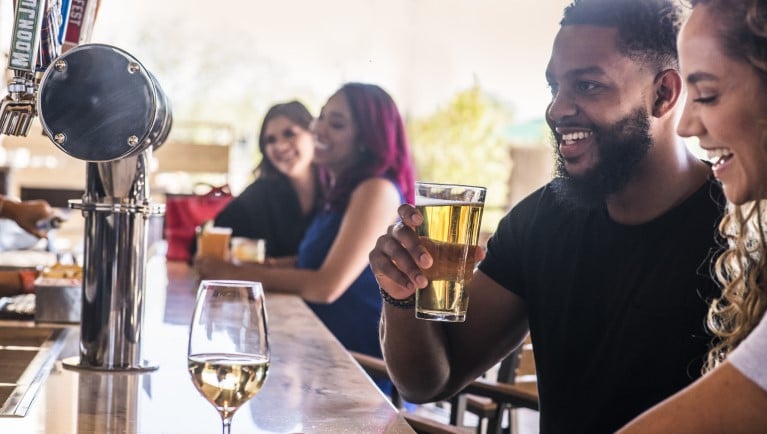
{"x":313,"y":386}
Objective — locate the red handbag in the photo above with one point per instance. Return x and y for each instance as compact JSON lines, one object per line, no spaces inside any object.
{"x":184,"y":212}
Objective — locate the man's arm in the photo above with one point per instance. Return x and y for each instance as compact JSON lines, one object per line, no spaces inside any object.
{"x":430,"y":360}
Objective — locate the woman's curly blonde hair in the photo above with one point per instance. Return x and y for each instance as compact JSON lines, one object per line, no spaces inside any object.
{"x":742,"y":272}
{"x":741,"y":269}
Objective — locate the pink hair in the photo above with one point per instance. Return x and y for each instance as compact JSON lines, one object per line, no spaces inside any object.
{"x":381,"y":133}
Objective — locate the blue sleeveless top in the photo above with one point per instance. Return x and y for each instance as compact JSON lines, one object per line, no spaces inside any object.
{"x":354,"y":317}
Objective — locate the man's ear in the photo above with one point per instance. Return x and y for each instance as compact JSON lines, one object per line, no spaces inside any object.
{"x":668,"y":87}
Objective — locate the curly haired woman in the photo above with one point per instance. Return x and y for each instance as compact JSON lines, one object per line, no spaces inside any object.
{"x":723,"y":57}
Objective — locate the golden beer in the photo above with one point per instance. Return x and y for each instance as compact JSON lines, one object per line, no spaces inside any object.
{"x":214,"y":241}
{"x":248,"y":250}
{"x":450,"y":233}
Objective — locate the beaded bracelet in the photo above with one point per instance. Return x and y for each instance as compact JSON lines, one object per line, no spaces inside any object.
{"x":404,"y":303}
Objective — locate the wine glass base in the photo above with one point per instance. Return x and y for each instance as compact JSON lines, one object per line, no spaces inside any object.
{"x":74,"y":363}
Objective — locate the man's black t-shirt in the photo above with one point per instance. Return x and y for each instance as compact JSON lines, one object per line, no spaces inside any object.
{"x":616,"y":312}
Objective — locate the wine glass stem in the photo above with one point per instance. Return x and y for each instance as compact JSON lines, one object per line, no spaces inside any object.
{"x":227,"y":425}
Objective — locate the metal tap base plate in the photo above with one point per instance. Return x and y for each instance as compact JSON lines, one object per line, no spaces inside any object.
{"x":74,"y":364}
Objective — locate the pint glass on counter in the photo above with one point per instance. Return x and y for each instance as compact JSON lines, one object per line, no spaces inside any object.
{"x":248,"y":250}
{"x":214,"y":241}
{"x":452,"y":217}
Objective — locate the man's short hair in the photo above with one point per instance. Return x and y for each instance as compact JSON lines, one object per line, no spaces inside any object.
{"x":647,"y":29}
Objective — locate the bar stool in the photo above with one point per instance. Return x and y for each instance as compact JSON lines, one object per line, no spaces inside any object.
{"x":376,"y":367}
{"x":514,"y":386}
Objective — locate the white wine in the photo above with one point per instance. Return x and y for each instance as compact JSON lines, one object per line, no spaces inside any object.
{"x":228,"y":380}
{"x":450,"y":232}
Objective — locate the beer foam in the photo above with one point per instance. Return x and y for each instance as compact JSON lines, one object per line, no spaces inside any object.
{"x":430,"y":201}
{"x":218,"y":230}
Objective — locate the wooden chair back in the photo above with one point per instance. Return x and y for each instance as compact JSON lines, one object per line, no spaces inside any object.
{"x":514,"y":385}
{"x":376,"y":367}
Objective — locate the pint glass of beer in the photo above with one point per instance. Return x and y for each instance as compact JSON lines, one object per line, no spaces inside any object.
{"x":248,"y":249}
{"x":452,"y":216}
{"x":214,"y":241}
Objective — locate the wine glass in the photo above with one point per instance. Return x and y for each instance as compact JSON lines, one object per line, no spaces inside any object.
{"x":228,"y":345}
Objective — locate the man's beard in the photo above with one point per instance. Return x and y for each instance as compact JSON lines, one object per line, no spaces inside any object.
{"x":620,"y":148}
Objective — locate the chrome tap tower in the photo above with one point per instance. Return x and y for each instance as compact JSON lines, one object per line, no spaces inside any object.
{"x":99,"y":104}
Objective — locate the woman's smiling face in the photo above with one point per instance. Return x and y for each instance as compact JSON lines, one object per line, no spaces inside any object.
{"x":288,"y":146}
{"x":726,"y":109}
{"x":336,"y":135}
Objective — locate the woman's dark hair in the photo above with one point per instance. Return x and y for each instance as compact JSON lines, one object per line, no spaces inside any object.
{"x":381,"y":136}
{"x":296,"y":113}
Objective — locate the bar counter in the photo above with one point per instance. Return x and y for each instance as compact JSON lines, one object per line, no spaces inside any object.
{"x":313,"y":386}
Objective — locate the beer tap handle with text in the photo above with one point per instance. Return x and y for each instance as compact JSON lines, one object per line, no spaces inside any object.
{"x":42,"y":30}
{"x":79,"y":21}
{"x":18,"y":107}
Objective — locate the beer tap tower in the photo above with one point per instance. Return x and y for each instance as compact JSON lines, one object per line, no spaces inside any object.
{"x":99,"y":104}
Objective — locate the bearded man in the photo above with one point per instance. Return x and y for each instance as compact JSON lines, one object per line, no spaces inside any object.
{"x":606,"y":266}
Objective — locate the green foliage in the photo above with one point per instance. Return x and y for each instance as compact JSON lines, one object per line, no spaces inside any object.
{"x":463,"y":143}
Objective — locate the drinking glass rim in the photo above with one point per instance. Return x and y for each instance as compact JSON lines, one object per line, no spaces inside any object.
{"x":441,"y":184}
{"x":209,"y":284}
{"x":225,"y":282}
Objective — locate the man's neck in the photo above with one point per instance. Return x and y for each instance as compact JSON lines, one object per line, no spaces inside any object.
{"x":665,"y":179}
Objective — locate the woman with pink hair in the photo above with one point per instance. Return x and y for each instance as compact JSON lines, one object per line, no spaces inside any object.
{"x":367,"y":172}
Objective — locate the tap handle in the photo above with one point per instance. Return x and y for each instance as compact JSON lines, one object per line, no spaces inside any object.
{"x":50,"y":47}
{"x":26,"y":35}
{"x":79,"y":23}
{"x":42,"y":30}
{"x":18,"y":107}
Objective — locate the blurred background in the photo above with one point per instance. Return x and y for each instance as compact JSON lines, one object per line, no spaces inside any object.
{"x":468,"y":75}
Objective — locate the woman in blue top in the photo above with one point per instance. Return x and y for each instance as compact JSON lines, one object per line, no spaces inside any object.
{"x":367,"y":170}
